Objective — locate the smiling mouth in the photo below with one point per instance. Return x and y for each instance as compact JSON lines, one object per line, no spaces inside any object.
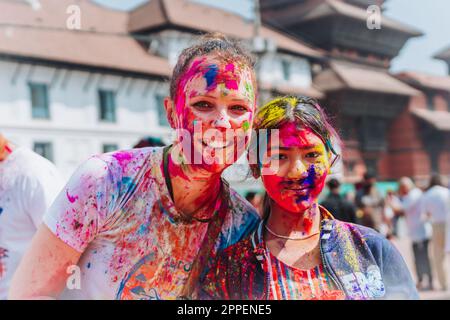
{"x":217,"y":144}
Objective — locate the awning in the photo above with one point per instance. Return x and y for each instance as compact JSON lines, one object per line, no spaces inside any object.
{"x":282,"y":89}
{"x":438,"y":119}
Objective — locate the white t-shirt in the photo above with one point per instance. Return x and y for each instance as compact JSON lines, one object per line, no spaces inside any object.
{"x":437,"y":203}
{"x":28,"y":185}
{"x":117,"y":211}
{"x":418,"y":227}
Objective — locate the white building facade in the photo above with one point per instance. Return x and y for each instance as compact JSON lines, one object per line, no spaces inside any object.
{"x":69,"y":115}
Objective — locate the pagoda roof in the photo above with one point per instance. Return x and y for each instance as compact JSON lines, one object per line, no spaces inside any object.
{"x":333,"y":7}
{"x":162,"y":14}
{"x":40,"y":34}
{"x":443,"y":54}
{"x":350,"y":76}
{"x":310,"y":91}
{"x":423,"y":80}
{"x":440,"y":120}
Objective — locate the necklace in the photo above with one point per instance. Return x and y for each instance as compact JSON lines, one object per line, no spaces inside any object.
{"x":289,"y":238}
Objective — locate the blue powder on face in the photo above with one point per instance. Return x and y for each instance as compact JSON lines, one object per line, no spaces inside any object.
{"x":210,"y":75}
{"x":309,"y":181}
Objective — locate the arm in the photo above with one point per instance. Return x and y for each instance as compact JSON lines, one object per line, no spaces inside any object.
{"x":42,"y":273}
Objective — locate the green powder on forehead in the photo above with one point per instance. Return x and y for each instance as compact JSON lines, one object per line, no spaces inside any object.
{"x":249,"y":88}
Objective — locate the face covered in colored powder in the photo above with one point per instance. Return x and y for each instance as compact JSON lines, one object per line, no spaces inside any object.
{"x":214,"y":105}
{"x":301,"y":169}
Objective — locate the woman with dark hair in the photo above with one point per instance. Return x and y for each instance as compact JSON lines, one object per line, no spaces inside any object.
{"x":141,"y":224}
{"x":299,"y":251}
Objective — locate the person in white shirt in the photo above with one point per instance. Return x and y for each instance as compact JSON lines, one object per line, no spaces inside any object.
{"x":437,"y":207}
{"x":28,"y":185}
{"x":418,"y":229}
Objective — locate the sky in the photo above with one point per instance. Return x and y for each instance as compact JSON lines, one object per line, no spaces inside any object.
{"x":432,"y":17}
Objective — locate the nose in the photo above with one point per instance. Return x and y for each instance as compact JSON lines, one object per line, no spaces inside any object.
{"x":222,"y":121}
{"x":297,"y":170}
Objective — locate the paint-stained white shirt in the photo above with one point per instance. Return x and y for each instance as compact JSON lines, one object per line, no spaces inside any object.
{"x":437,"y":203}
{"x":117,"y":211}
{"x":418,"y":226}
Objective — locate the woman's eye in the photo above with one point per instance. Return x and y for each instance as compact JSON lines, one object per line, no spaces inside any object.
{"x":203,"y":105}
{"x":312,"y":155}
{"x":239,"y":108}
{"x":278,"y":157}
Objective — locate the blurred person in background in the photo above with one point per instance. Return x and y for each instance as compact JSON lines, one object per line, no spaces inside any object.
{"x":392,"y":211}
{"x":342,"y":209}
{"x":149,"y":142}
{"x":419,"y":233}
{"x":28,"y":185}
{"x":369,"y":200}
{"x":437,"y":207}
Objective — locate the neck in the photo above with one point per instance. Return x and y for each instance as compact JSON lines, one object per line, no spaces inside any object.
{"x":193,"y":186}
{"x":286,"y":223}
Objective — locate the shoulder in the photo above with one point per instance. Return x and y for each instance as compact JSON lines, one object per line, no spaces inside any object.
{"x":34,"y":169}
{"x":116,"y":165}
{"x":128,"y":161}
{"x":31,"y":162}
{"x":369,"y":236}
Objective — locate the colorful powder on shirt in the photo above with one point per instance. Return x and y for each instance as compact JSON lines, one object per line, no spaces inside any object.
{"x":71,"y":199}
{"x":123,"y":157}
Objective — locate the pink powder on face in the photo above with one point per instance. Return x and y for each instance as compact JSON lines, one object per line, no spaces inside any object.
{"x":231,"y":84}
{"x":230,"y":67}
{"x":180,"y":99}
{"x":193,"y":94}
{"x":292,"y":136}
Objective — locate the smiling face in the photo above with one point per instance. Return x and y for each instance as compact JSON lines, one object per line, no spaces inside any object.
{"x":215,"y":103}
{"x":302,"y":167}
